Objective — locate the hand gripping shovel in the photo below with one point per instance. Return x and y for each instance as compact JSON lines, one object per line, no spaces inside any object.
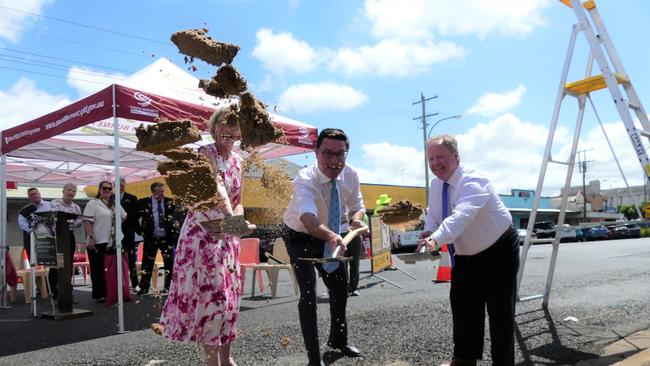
{"x":335,"y":254}
{"x":422,"y":255}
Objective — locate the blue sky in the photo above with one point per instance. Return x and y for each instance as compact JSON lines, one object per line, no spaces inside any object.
{"x":356,"y":65}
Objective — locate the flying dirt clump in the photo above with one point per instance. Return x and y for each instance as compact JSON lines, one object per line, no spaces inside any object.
{"x":225,"y":83}
{"x":166,"y":135}
{"x":195,"y":43}
{"x":401,"y":215}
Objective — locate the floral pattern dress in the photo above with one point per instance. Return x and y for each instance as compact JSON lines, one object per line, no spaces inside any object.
{"x":204,"y":297}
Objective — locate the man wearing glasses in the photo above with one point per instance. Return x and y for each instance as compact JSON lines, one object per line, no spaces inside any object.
{"x":156,"y":226}
{"x":322,"y":194}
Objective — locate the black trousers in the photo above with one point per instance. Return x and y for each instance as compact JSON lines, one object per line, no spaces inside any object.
{"x":354,"y":251}
{"x":487,"y":279}
{"x":301,"y":245}
{"x":96,"y":260}
{"x":149,"y":252}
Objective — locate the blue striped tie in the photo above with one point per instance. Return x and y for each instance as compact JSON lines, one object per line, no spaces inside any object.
{"x":334,"y":223}
{"x":445,"y":213}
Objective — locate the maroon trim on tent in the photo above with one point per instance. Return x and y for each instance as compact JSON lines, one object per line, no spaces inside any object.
{"x":141,"y":106}
{"x":80,"y":113}
{"x":137,"y":105}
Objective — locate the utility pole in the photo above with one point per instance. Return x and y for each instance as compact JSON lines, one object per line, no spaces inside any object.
{"x":424,"y":142}
{"x":583,"y":169}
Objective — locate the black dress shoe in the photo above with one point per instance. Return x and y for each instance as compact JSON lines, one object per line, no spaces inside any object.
{"x":355,"y":293}
{"x":143,"y":291}
{"x":347,"y":350}
{"x":316,"y":364}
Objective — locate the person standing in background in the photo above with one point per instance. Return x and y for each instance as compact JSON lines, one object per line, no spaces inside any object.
{"x":37,"y":204}
{"x":156,"y":225}
{"x":129,"y":203}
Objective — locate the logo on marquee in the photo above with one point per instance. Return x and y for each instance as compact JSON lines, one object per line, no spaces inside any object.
{"x":143,"y":99}
{"x":304,"y":132}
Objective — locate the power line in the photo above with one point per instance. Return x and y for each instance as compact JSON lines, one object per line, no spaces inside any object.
{"x":85,"y":26}
{"x":52,"y":75}
{"x":64,"y":59}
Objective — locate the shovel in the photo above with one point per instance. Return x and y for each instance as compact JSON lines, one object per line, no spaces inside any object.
{"x":421,"y":255}
{"x":335,"y":254}
{"x":233,"y":225}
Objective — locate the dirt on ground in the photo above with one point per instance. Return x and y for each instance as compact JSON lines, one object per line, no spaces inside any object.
{"x":195,"y":43}
{"x":401,"y":215}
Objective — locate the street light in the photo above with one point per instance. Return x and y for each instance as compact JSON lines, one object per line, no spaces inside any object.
{"x":426,"y":161}
{"x":440,"y":120}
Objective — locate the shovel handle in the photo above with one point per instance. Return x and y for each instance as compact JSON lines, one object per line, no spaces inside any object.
{"x":354,"y":233}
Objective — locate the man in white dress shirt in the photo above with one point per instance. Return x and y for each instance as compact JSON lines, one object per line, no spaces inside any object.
{"x":36,"y":205}
{"x":486,"y":258}
{"x":312,"y":227}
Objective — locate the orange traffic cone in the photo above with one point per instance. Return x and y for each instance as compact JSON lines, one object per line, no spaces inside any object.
{"x":444,"y":266}
{"x":26,"y":260}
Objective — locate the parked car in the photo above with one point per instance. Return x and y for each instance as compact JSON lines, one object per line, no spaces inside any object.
{"x":568,"y":234}
{"x":404,"y":240}
{"x":521,"y":233}
{"x":618,"y":232}
{"x":544,"y":229}
{"x":634,"y":231}
{"x":595,"y":233}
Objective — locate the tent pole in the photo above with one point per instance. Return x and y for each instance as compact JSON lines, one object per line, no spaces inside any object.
{"x":118,"y":218}
{"x":3,"y":231}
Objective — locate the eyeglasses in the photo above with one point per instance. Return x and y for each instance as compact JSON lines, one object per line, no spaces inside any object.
{"x":329,"y":154}
{"x":231,"y":137}
{"x":104,"y":188}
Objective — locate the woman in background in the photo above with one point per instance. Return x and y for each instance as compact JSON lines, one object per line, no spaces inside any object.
{"x":65,"y":204}
{"x":100,"y":235}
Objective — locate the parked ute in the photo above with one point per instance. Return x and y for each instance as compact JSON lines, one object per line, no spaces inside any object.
{"x":404,"y":240}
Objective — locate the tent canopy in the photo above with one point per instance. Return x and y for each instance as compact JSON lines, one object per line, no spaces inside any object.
{"x":76,"y":144}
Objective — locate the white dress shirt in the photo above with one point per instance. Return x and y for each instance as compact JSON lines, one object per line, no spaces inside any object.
{"x":477,"y":216}
{"x":311,"y":194}
{"x":23,"y":222}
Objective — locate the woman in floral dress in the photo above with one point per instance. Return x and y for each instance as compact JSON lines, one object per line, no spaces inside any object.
{"x":203,"y":301}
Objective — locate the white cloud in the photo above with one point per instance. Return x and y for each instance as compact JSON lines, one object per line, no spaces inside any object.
{"x":392,"y":57}
{"x":391,"y":164}
{"x":493,"y":104}
{"x":283,"y":52}
{"x":419,"y":19}
{"x":23,"y":101}
{"x":87,"y":81}
{"x":16,"y":22}
{"x":305,"y":98}
{"x":509,"y":152}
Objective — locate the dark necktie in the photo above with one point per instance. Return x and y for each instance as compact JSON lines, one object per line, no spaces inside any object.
{"x":160,"y":213}
{"x":334,"y":223}
{"x":445,"y":213}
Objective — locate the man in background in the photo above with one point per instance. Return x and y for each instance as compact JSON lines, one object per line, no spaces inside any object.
{"x":37,"y":204}
{"x":156,"y":225}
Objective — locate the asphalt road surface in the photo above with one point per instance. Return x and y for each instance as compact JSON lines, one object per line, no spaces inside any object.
{"x":599,"y":295}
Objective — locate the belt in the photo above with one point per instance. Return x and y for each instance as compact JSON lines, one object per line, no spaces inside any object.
{"x":509,"y":231}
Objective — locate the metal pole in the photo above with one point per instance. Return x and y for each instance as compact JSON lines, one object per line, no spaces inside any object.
{"x":3,"y":232}
{"x":118,"y":218}
{"x":424,"y":143}
{"x":423,"y":118}
{"x":584,"y":190}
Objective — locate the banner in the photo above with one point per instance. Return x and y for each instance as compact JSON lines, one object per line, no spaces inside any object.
{"x":46,"y":246}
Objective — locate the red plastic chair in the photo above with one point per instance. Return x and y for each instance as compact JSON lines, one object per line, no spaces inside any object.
{"x":249,"y":257}
{"x":80,"y":260}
